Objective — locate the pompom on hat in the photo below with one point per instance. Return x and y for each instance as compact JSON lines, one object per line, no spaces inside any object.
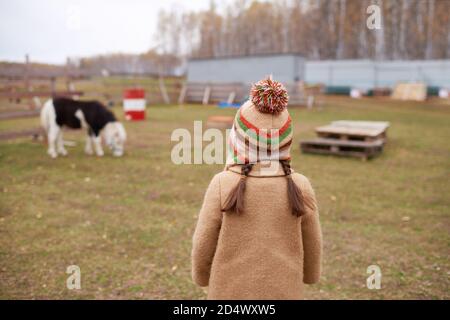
{"x":269,"y":96}
{"x":262,"y":128}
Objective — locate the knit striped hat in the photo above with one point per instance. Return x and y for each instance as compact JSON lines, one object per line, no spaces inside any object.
{"x":262,"y":127}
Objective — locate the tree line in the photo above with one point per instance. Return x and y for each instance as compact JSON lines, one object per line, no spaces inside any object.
{"x":316,"y":29}
{"x":148,"y":63}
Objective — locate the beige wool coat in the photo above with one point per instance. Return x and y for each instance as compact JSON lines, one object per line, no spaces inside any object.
{"x":264,"y":253}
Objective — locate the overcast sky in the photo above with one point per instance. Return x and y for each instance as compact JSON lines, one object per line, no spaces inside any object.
{"x":51,"y":30}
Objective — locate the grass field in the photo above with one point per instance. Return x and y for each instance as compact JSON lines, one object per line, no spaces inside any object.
{"x":127,"y":222}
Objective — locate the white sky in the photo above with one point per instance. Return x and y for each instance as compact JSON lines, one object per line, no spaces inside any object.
{"x":51,"y":30}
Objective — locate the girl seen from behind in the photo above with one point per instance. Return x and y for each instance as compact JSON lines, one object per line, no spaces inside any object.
{"x":258,"y":234}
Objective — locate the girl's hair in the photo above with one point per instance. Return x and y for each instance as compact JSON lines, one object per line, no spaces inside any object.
{"x":294,"y":193}
{"x":235,"y":200}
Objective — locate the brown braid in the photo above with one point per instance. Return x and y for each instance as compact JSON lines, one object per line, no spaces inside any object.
{"x":294,"y":193}
{"x":235,"y":200}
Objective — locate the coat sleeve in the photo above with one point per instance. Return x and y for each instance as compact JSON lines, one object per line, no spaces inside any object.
{"x":206,"y":234}
{"x":311,"y":235}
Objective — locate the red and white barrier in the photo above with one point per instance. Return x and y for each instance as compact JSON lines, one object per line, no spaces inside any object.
{"x":134,"y":104}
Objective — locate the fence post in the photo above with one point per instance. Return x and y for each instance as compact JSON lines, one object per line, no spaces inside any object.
{"x":182,"y":93}
{"x":231,"y":97}
{"x":206,"y":95}
{"x":26,"y":73}
{"x":163,"y":90}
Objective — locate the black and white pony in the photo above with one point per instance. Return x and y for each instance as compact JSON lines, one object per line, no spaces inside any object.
{"x":75,"y":114}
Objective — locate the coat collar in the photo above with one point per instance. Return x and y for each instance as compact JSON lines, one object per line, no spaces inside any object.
{"x":260,"y":169}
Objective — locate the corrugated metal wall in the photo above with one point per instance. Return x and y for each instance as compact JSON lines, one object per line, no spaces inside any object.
{"x":284,"y":68}
{"x":369,"y":74}
{"x":362,"y":74}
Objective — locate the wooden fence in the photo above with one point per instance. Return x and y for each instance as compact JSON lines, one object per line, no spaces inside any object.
{"x":22,"y":98}
{"x":212,"y":93}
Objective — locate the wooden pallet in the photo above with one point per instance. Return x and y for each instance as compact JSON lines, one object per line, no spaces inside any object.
{"x":360,"y":149}
{"x":354,"y":130}
{"x":410,"y":91}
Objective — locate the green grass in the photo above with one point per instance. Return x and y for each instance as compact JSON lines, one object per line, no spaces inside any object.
{"x":127,"y":222}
